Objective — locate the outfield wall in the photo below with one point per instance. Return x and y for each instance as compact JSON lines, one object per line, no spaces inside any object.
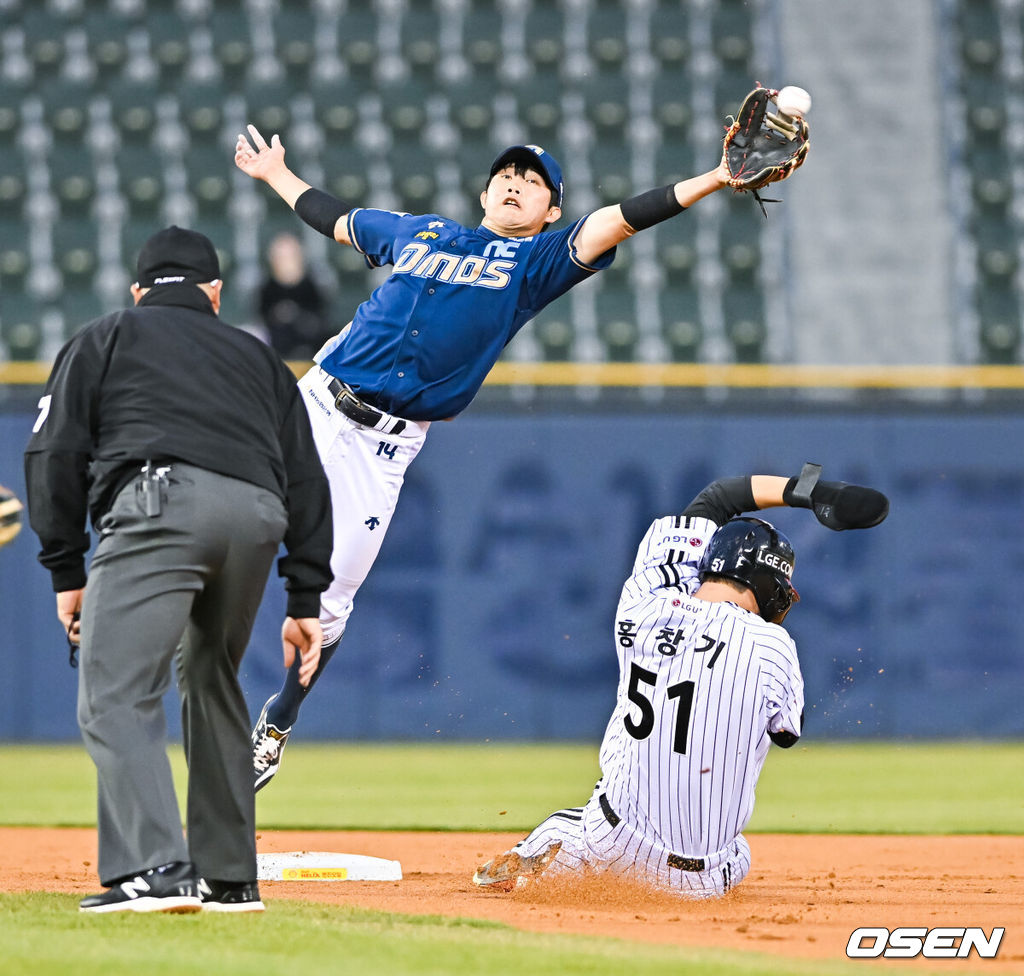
{"x":489,"y":613}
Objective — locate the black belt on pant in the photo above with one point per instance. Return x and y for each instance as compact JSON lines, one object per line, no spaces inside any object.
{"x":362,"y":413}
{"x":673,"y":860}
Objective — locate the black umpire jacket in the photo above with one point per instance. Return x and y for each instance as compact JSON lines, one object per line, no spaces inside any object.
{"x":167,"y":380}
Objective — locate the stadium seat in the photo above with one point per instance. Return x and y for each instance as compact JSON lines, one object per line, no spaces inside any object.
{"x":999,"y":311}
{"x":15,"y":258}
{"x":554,"y":332}
{"x":358,"y":40}
{"x":80,"y":304}
{"x":545,"y":38}
{"x":402,"y":106}
{"x":296,"y":26}
{"x":44,"y":41}
{"x":19,"y":325}
{"x":743,"y":308}
{"x":108,"y":26}
{"x":670,"y":38}
{"x":616,"y":322}
{"x":678,"y":252}
{"x":141,"y":181}
{"x":11,"y":101}
{"x":13,"y":180}
{"x":268,"y":106}
{"x":991,"y":195}
{"x":209,"y":169}
{"x":230,"y":35}
{"x":739,"y":239}
{"x":731,"y":31}
{"x":168,"y":40}
{"x":66,"y":110}
{"x":346,"y":172}
{"x":201,"y":104}
{"x":414,"y":182}
{"x":471,"y":109}
{"x":540,"y":110}
{"x":681,"y":322}
{"x":334,"y":107}
{"x":481,"y":45}
{"x":133,"y":108}
{"x":607,"y":36}
{"x":419,"y":38}
{"x":76,"y":249}
{"x":672,"y":113}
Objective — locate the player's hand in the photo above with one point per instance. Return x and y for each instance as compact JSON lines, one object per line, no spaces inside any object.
{"x":69,"y":606}
{"x":257,"y":159}
{"x":305,"y":635}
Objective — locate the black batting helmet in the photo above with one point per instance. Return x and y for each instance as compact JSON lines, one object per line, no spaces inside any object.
{"x":753,"y":552}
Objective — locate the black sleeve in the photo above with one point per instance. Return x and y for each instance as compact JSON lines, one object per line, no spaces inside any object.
{"x":57,"y":459}
{"x":723,"y":499}
{"x":309,"y":538}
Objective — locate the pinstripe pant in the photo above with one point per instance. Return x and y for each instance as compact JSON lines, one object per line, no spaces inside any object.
{"x":589,"y":840}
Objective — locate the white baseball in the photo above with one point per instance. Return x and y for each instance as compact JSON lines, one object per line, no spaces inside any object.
{"x":793,"y":101}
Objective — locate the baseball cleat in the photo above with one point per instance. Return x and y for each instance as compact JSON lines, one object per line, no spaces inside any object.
{"x":169,"y":888}
{"x":267,"y":746}
{"x":510,"y":869}
{"x":230,"y":896}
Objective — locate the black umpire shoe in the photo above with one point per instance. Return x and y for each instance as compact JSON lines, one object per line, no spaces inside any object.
{"x":230,"y":896}
{"x":171,"y":887}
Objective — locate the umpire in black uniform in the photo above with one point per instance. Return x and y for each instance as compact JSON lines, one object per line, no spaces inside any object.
{"x":187,"y":442}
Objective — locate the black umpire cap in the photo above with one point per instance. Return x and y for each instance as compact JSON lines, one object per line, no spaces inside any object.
{"x":174,"y":256}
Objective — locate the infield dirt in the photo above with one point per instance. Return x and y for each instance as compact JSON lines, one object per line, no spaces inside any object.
{"x":804,"y":896}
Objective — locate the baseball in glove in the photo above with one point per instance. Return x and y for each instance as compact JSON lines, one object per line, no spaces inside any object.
{"x":10,"y":515}
{"x":763,"y":147}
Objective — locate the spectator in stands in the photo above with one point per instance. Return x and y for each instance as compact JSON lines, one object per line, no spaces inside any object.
{"x":292,"y":307}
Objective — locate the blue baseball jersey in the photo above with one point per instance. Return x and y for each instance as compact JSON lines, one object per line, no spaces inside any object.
{"x":422,"y":344}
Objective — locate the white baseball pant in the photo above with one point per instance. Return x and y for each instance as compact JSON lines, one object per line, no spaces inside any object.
{"x":366,"y":470}
{"x":589,"y":840}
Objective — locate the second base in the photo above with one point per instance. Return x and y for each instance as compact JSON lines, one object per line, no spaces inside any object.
{"x":325,"y":866}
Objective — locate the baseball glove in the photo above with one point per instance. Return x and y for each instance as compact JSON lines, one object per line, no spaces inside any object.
{"x":10,"y":515}
{"x":762,"y":147}
{"x":836,"y":505}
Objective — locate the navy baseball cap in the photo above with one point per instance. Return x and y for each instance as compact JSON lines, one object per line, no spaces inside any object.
{"x":175,"y":255}
{"x":536,"y":158}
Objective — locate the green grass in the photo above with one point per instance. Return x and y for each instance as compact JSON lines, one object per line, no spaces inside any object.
{"x":909,"y":788}
{"x":41,"y":934}
{"x":973,"y":787}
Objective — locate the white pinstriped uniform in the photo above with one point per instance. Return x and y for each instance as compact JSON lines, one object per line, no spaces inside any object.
{"x":700,"y":686}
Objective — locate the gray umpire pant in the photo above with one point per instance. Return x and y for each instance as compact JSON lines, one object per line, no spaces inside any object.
{"x":187,"y":581}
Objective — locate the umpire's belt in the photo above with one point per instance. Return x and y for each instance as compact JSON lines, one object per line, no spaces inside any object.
{"x":362,"y":413}
{"x":673,"y":860}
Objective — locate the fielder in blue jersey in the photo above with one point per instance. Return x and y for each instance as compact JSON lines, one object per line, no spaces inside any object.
{"x":418,"y":349}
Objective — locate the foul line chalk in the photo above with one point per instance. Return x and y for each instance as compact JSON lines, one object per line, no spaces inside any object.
{"x":325,"y":866}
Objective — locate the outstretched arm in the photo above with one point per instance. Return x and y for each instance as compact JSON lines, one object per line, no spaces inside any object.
{"x":605,"y":228}
{"x":266,"y":162}
{"x":836,"y":504}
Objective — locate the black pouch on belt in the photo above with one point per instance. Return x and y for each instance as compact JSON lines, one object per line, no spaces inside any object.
{"x":147,"y":489}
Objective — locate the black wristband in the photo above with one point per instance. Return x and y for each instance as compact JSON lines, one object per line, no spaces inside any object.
{"x":320,"y":210}
{"x":652,"y":207}
{"x":799,"y":492}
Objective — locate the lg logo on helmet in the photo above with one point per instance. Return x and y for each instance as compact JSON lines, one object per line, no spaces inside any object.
{"x":947,"y":942}
{"x":775,"y":561}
